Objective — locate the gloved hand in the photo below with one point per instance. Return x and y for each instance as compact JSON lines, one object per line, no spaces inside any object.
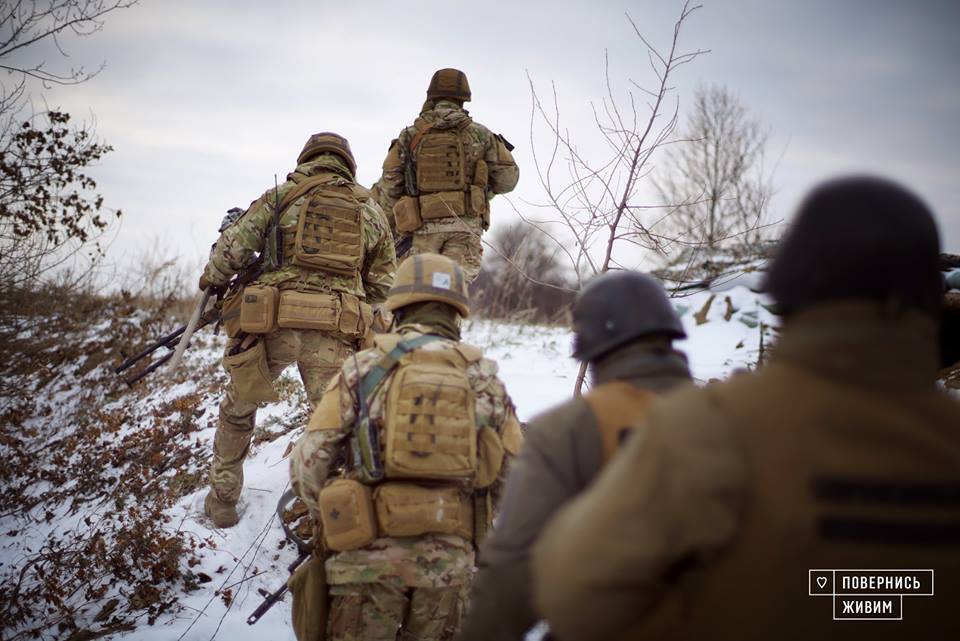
{"x":204,"y":284}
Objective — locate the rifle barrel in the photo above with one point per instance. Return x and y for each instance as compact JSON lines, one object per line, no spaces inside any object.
{"x":161,"y":342}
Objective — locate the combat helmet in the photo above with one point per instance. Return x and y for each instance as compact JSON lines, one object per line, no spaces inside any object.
{"x":449,"y":83}
{"x":329,"y":142}
{"x":861,"y":238}
{"x":619,"y":307}
{"x":429,"y":277}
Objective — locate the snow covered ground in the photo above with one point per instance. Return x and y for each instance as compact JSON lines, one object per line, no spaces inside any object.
{"x":536,"y":366}
{"x":238,"y":562}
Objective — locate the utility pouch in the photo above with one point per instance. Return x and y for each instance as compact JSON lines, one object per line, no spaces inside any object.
{"x":406,"y":214}
{"x":442,"y":204}
{"x":308,"y":585}
{"x":258,"y":311}
{"x":309,"y":310}
{"x":352,"y":323}
{"x":482,"y":516}
{"x":489,"y":457}
{"x":406,"y":509}
{"x":346,"y":511}
{"x":230,"y":314}
{"x":249,"y":373}
{"x":478,"y":201}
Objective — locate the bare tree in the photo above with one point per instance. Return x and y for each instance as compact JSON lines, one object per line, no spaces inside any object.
{"x":48,"y":211}
{"x":598,"y":201}
{"x":523,"y":278}
{"x":716,"y":178}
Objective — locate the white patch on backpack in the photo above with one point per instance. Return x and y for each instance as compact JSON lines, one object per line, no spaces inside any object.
{"x":441,"y":280}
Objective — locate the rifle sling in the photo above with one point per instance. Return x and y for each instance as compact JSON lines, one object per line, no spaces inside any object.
{"x":373,"y":378}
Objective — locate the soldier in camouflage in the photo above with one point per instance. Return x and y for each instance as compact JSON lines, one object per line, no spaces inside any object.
{"x":326,"y":163}
{"x":441,"y":173}
{"x":409,"y":587}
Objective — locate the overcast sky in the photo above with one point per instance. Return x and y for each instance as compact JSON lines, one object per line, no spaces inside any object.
{"x":204,"y":102}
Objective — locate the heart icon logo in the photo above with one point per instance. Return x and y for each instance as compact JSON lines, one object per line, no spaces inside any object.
{"x":822,"y":581}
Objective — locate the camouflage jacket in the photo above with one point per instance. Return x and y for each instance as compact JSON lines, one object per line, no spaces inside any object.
{"x":478,"y":141}
{"x":430,"y":560}
{"x":241,"y":241}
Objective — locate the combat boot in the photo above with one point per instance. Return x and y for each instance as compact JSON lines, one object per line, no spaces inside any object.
{"x":223,"y":514}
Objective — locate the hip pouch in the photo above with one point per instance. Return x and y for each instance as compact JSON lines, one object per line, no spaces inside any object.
{"x":429,"y":424}
{"x":329,"y":233}
{"x":249,"y":373}
{"x":309,"y":310}
{"x":355,"y":316}
{"x":346,"y":511}
{"x":308,"y":585}
{"x":407,"y":509}
{"x":442,"y":204}
{"x":230,"y":314}
{"x":406,"y":214}
{"x":258,"y":311}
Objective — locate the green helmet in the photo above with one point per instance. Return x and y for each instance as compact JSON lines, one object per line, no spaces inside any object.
{"x":330,"y":142}
{"x":427,"y":277}
{"x":449,"y":83}
{"x":617,"y":308}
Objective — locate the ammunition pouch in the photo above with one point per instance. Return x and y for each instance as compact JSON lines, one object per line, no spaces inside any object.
{"x":346,"y":511}
{"x":264,"y":309}
{"x":258,"y":310}
{"x":442,"y":204}
{"x":407,"y":509}
{"x":308,"y":585}
{"x":230,"y":313}
{"x":249,"y":372}
{"x":406,"y":214}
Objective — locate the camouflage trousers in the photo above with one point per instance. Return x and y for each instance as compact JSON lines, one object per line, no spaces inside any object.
{"x":463,"y":247}
{"x":318,"y":357}
{"x":385,"y":612}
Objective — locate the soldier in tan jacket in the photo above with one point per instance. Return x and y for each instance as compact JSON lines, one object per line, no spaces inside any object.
{"x":436,"y":418}
{"x":441,"y":173}
{"x":624,"y":327}
{"x":840,"y":453}
{"x":311,"y":307}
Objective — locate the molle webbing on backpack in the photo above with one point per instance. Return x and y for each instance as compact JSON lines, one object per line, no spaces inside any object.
{"x":617,"y":408}
{"x":329,"y":233}
{"x":440,"y":162}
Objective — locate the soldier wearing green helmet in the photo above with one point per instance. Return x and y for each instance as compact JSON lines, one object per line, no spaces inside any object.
{"x":311,"y":304}
{"x":402,"y":522}
{"x":441,"y":173}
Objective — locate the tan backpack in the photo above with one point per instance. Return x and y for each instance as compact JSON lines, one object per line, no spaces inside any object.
{"x":329,"y":232}
{"x":430,"y":429}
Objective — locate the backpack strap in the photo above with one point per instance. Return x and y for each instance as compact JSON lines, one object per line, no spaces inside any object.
{"x":417,"y":137}
{"x":373,"y":378}
{"x":617,"y":407}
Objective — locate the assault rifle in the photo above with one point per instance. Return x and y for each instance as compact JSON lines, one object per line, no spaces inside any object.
{"x":365,"y":439}
{"x":202,"y":317}
{"x":402,"y":245}
{"x":270,"y":599}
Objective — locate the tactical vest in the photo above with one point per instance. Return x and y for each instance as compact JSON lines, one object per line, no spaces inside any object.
{"x":328,"y":235}
{"x":435,"y":461}
{"x":617,"y":407}
{"x":450,"y":184}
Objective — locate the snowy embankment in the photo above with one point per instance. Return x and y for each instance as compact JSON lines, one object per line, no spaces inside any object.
{"x":227,"y":568}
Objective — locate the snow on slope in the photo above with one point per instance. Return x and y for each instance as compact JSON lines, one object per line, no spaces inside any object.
{"x":536,"y":366}
{"x":235,"y":563}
